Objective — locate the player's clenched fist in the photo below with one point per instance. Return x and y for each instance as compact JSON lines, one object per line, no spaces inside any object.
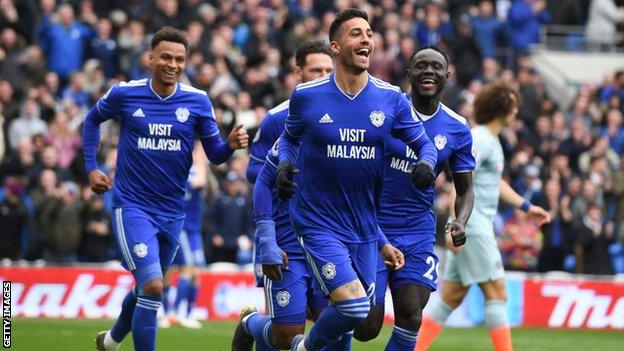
{"x":100,"y":182}
{"x":284,"y":181}
{"x":456,"y":232}
{"x":423,"y":175}
{"x":238,"y":138}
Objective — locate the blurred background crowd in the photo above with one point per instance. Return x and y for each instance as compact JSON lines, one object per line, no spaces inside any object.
{"x":58,"y":57}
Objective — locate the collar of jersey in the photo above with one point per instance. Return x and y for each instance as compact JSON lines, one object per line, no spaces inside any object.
{"x":333,"y":79}
{"x":426,"y":117}
{"x":160,"y":97}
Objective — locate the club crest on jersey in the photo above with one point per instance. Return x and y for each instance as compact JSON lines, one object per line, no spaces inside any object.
{"x":182,"y":114}
{"x":377,"y":118}
{"x":329,"y":271}
{"x":140,"y":250}
{"x":440,"y":141}
{"x":283,"y":298}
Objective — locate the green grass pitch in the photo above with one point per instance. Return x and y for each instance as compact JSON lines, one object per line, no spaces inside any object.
{"x":70,"y":335}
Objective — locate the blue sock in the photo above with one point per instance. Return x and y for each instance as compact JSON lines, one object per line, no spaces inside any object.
{"x":123,"y":324}
{"x":344,"y":344}
{"x":259,"y":327}
{"x":191,"y":297}
{"x":183,"y":288}
{"x":402,"y":339}
{"x":336,"y":320}
{"x":144,"y":322}
{"x":165,"y":302}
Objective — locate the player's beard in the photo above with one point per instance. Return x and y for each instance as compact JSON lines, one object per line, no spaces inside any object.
{"x":349,"y":63}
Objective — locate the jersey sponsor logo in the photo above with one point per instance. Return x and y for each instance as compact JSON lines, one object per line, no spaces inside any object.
{"x":159,"y":144}
{"x":440,"y":141}
{"x":377,"y":118}
{"x":138,"y":113}
{"x":282,"y":298}
{"x":329,"y":270}
{"x":350,"y":135}
{"x":140,"y":250}
{"x":326,"y":119}
{"x":182,"y":114}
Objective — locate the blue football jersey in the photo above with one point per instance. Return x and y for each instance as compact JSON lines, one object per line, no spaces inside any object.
{"x":193,"y":205}
{"x":343,"y":139}
{"x":156,"y":142}
{"x":270,"y":129}
{"x":404,"y":208}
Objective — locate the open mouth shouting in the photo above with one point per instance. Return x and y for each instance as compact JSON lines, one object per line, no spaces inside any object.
{"x":363,"y":53}
{"x":428,"y":83}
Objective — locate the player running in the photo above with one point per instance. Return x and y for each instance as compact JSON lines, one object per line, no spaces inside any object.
{"x":312,"y":60}
{"x":406,"y":215}
{"x":288,"y":282}
{"x":479,"y":261}
{"x":341,"y":123}
{"x":159,"y":118}
{"x":190,"y":256}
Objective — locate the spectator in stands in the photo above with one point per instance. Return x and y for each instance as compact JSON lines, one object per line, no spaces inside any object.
{"x":520,"y":243}
{"x":66,"y":141}
{"x":76,"y":91}
{"x":488,"y":30}
{"x":601,"y":29}
{"x":525,"y":17}
{"x":28,"y":123}
{"x":557,"y":234}
{"x":230,"y":220}
{"x":593,"y":235}
{"x":61,"y":225}
{"x":97,"y":241}
{"x":433,"y":28}
{"x":578,"y":142}
{"x":15,"y":220}
{"x":464,"y":49}
{"x":11,"y":106}
{"x":615,"y":88}
{"x":104,"y":47}
{"x":64,"y":42}
{"x":614,"y":130}
{"x":11,"y":50}
{"x":580,"y":205}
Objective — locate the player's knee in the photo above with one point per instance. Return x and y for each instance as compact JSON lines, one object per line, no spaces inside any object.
{"x":154,"y":287}
{"x":409,"y":316}
{"x":370,"y":327}
{"x":367,"y":330}
{"x":282,"y":335}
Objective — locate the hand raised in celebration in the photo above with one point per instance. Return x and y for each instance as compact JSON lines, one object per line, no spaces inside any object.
{"x":238,"y":138}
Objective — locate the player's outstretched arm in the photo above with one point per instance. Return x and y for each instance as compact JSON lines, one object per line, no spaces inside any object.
{"x":464,"y":201}
{"x":535,"y":214}
{"x":219,"y":151}
{"x":270,"y":256}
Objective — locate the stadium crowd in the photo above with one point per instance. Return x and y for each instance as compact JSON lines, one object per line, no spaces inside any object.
{"x":58,"y":57}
